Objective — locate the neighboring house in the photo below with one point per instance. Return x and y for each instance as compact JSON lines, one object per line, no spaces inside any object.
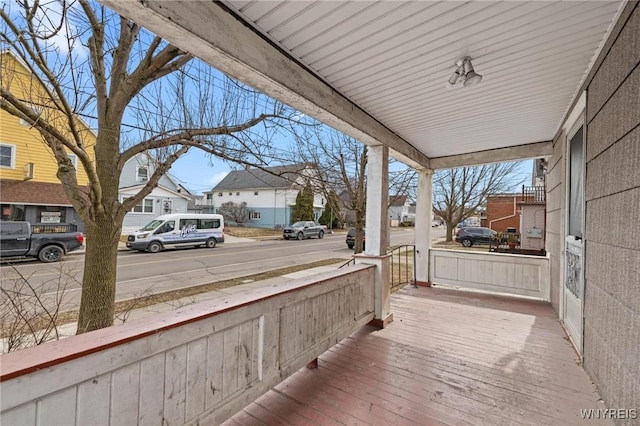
{"x":526,"y":212}
{"x":401,"y":210}
{"x":503,"y":212}
{"x":270,"y":194}
{"x":167,"y":197}
{"x":29,"y":187}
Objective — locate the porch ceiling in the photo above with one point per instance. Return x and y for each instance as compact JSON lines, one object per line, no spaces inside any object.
{"x":377,"y":70}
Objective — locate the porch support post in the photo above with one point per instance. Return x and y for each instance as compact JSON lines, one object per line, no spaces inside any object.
{"x":377,"y":221}
{"x":424,"y":212}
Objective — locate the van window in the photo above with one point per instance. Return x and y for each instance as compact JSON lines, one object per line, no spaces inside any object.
{"x":209,"y":224}
{"x":188,"y":223}
{"x":152,"y":225}
{"x":168,"y":226}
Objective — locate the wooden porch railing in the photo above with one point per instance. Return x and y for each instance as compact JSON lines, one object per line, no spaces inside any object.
{"x":520,"y":275}
{"x":198,"y":365}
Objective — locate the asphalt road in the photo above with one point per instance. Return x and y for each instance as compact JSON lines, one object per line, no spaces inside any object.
{"x":146,"y":273}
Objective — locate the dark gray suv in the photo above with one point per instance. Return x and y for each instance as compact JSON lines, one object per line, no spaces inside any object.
{"x":476,"y":235}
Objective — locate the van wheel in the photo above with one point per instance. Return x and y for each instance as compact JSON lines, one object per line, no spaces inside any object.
{"x":50,"y":254}
{"x":154,"y":247}
{"x":211,"y":243}
{"x":321,"y":235}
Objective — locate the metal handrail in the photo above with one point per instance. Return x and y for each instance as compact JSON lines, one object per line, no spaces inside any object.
{"x":403,"y":265}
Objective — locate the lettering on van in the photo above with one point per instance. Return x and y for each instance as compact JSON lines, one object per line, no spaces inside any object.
{"x":187,"y":230}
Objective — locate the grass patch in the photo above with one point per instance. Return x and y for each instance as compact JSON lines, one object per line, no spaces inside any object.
{"x":248,"y":232}
{"x":452,"y":245}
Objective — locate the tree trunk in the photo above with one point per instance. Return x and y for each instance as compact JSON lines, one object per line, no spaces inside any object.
{"x":99,"y":279}
{"x":449,"y":233}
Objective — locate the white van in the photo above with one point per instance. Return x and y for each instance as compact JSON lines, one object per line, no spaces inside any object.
{"x":178,"y":230}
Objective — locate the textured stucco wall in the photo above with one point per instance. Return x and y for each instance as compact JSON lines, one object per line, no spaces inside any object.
{"x":612,"y":239}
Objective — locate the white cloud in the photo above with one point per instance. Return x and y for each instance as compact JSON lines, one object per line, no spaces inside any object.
{"x":66,"y":39}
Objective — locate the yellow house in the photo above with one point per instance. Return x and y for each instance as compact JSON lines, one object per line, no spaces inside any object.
{"x":29,"y":188}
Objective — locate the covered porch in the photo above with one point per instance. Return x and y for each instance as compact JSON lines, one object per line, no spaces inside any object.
{"x":436,"y":356}
{"x":450,"y":357}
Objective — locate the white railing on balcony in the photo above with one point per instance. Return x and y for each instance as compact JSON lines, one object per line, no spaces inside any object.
{"x":496,"y":272}
{"x":198,"y":365}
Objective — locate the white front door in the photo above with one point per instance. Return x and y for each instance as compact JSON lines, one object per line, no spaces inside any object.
{"x":573,"y":288}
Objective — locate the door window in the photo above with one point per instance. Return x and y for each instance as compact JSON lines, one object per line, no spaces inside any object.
{"x":576,"y":184}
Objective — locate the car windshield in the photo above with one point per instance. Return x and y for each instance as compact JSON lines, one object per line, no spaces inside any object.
{"x":152,"y":225}
{"x":299,"y":225}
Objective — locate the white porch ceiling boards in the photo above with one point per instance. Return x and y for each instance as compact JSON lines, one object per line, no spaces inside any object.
{"x":392,"y":60}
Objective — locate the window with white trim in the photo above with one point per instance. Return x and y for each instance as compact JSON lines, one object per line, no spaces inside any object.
{"x":254,"y":215}
{"x":35,"y":108}
{"x":143,"y":206}
{"x":74,"y":161}
{"x":8,"y":156}
{"x":142,"y":173}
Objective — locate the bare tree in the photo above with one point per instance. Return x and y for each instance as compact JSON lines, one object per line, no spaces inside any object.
{"x":29,"y":316}
{"x":235,"y":212}
{"x":459,"y":193}
{"x":341,"y":163}
{"x":79,"y":61}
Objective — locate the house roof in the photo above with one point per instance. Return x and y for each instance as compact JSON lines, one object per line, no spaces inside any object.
{"x":270,"y":177}
{"x":397,"y":200}
{"x":34,"y":193}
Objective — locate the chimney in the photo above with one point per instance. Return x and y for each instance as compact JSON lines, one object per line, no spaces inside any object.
{"x":247,"y":167}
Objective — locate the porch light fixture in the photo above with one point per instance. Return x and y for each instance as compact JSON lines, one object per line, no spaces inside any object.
{"x":464,"y":73}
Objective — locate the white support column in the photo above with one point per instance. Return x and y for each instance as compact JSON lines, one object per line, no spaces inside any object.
{"x":424,"y":212}
{"x":377,"y":200}
{"x":377,"y":223}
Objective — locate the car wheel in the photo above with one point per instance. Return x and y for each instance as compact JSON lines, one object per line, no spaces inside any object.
{"x":350,"y":246}
{"x":50,"y":254}
{"x":211,"y":243}
{"x":286,"y":238}
{"x":321,"y":235}
{"x":467,"y":242}
{"x":300,"y":235}
{"x":154,"y":247}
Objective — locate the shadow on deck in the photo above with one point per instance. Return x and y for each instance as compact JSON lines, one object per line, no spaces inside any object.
{"x":449,"y":357}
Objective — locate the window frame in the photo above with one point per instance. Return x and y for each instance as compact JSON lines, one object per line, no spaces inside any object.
{"x":35,"y":108}
{"x":142,"y":205}
{"x":255,"y":215}
{"x":12,"y":158}
{"x":138,"y":168}
{"x":74,"y":161}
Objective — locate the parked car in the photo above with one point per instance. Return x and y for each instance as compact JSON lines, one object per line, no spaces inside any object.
{"x":351,"y":238}
{"x":303,"y":229}
{"x":17,"y":239}
{"x":471,"y":235}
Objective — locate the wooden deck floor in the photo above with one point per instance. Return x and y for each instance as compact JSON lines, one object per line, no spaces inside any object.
{"x":449,"y":357}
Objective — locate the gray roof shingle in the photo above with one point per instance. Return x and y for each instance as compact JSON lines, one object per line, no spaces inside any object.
{"x":271,"y":177}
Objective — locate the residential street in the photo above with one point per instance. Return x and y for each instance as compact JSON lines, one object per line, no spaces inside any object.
{"x":146,"y":273}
